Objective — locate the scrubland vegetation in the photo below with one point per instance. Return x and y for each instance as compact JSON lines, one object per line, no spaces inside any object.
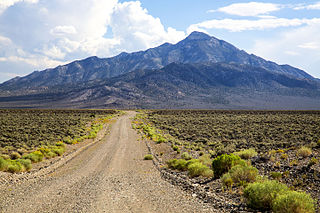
{"x":29,"y":136}
{"x":269,"y":158}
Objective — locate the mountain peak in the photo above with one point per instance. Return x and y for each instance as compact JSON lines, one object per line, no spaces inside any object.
{"x":198,"y":36}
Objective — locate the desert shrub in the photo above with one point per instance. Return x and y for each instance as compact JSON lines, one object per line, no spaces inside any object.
{"x":205,"y":159}
{"x":313,"y":161}
{"x":284,"y":156}
{"x":26,"y":163}
{"x":243,"y":174}
{"x":260,"y":195}
{"x":175,"y":148}
{"x":14,"y":167}
{"x":223,"y":163}
{"x":15,"y":155}
{"x":35,"y":157}
{"x":304,"y":152}
{"x":5,"y":157}
{"x":58,"y":150}
{"x":276,"y":175}
{"x":227,"y":180}
{"x":198,"y":169}
{"x":148,"y":157}
{"x":194,"y":167}
{"x":293,"y":202}
{"x":186,"y":156}
{"x":3,"y":164}
{"x":246,"y":154}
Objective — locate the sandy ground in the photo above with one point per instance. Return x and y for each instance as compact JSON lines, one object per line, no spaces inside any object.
{"x":109,"y":176}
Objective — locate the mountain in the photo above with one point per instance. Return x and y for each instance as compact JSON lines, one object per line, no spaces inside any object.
{"x":178,"y":85}
{"x":196,"y":48}
{"x":198,"y":72}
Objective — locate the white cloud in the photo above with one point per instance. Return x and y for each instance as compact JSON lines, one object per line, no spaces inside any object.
{"x":4,"y":4}
{"x":238,"y":25}
{"x":315,"y":6}
{"x":62,"y":30}
{"x":298,"y":47}
{"x":52,"y":32}
{"x":249,"y":9}
{"x":139,"y":30}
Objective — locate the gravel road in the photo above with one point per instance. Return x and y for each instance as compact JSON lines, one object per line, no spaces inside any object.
{"x":109,"y":176}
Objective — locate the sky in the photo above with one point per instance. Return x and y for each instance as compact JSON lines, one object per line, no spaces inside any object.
{"x":40,"y":34}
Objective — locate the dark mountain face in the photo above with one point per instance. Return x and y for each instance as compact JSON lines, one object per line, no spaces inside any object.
{"x":196,"y":48}
{"x":177,"y":85}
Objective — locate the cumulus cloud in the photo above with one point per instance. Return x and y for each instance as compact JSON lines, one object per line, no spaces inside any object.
{"x":62,"y":30}
{"x":238,"y":25}
{"x":298,"y":47}
{"x":249,"y":9}
{"x":139,"y":30}
{"x":42,"y":34}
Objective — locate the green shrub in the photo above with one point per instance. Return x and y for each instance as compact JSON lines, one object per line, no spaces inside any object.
{"x":246,"y":154}
{"x":304,"y":152}
{"x":14,"y":167}
{"x":276,"y":175}
{"x":243,"y":174}
{"x":186,"y":156}
{"x":148,"y":157}
{"x":260,"y":195}
{"x":179,"y":164}
{"x":198,"y":169}
{"x":26,"y":163}
{"x":313,"y":161}
{"x":58,"y":151}
{"x":227,"y":180}
{"x":35,"y":156}
{"x":205,"y":159}
{"x":15,"y":155}
{"x":293,"y":202}
{"x":223,"y":163}
{"x":194,"y":167}
{"x":3,"y":164}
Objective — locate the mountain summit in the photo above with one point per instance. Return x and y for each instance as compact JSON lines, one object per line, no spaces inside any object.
{"x":139,"y":73}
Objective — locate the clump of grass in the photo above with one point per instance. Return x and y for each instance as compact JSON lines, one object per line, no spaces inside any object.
{"x":205,"y":159}
{"x":3,"y":164}
{"x":223,"y":163}
{"x":227,"y":180}
{"x":304,"y":152}
{"x":313,"y":161}
{"x":276,"y":175}
{"x":260,"y":195}
{"x":284,"y":156}
{"x":293,"y":202}
{"x":198,"y":169}
{"x":26,"y":163}
{"x":186,"y":156}
{"x":14,"y":167}
{"x":15,"y":155}
{"x":246,"y":154}
{"x":242,"y":174}
{"x":35,"y":156}
{"x":148,"y":157}
{"x":194,"y":167}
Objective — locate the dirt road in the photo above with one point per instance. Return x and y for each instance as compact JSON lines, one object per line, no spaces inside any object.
{"x":110,"y":176}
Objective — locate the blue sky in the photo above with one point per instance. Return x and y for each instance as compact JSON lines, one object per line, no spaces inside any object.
{"x":40,"y":34}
